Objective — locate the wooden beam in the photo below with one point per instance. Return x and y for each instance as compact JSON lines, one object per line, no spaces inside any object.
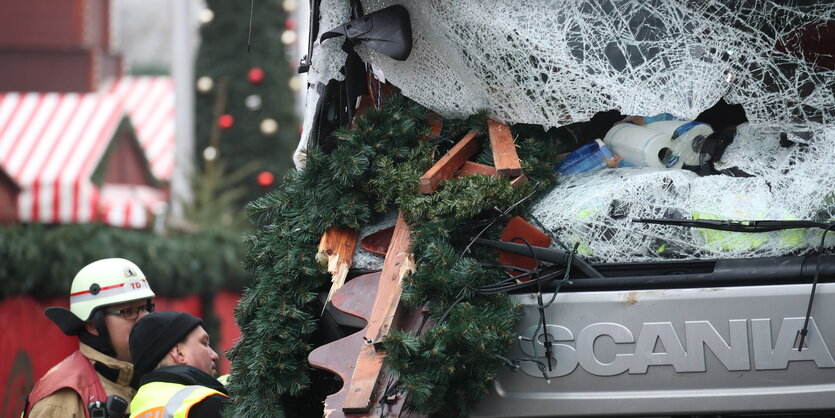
{"x":469,"y":168}
{"x":336,"y":250}
{"x":519,"y":181}
{"x":450,"y":162}
{"x":397,"y":264}
{"x":504,"y":150}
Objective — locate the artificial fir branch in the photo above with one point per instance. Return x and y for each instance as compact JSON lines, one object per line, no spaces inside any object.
{"x":374,"y":165}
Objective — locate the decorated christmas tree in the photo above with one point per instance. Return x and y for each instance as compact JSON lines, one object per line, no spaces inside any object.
{"x":244,"y":118}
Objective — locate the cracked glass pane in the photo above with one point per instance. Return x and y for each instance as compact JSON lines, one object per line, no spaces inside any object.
{"x":554,"y":63}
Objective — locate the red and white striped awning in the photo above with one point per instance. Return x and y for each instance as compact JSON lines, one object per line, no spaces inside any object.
{"x":51,"y":143}
{"x":130,"y":206}
{"x":149,"y":102}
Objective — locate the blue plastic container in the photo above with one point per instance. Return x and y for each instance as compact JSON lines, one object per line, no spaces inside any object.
{"x":587,"y":158}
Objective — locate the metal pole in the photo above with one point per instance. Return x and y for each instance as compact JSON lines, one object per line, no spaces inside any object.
{"x":182,"y":71}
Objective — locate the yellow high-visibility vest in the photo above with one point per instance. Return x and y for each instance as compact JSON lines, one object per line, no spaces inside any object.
{"x":167,"y":400}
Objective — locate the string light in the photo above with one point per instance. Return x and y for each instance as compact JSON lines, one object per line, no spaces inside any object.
{"x":269,"y":126}
{"x":205,"y":84}
{"x":209,"y":153}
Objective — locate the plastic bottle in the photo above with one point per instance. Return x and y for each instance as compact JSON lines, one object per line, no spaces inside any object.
{"x":589,"y":157}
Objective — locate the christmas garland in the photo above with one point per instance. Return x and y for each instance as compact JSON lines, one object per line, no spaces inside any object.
{"x":41,"y":260}
{"x":372,"y":167}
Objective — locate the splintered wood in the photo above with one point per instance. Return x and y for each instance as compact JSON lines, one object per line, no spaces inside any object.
{"x":398,"y":263}
{"x":336,"y":250}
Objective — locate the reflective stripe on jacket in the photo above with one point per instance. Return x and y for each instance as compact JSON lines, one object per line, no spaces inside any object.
{"x":167,"y":400}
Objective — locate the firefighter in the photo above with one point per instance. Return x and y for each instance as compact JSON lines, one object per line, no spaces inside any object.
{"x":176,"y":368}
{"x":106,"y":298}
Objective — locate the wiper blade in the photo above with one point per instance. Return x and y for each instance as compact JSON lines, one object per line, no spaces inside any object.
{"x":736,"y":226}
{"x":550,"y":255}
{"x":759,"y":226}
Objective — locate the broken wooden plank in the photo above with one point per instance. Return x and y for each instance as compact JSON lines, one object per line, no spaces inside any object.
{"x":519,"y":181}
{"x":356,"y":298}
{"x":450,"y":162}
{"x":336,"y":250}
{"x":469,"y":168}
{"x":397,"y":264}
{"x":364,"y":380}
{"x":505,"y":157}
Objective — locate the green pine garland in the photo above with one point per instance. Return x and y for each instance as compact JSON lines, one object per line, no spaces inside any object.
{"x":375,"y":165}
{"x":41,"y":260}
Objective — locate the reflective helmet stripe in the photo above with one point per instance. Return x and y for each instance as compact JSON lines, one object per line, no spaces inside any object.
{"x":102,"y":289}
{"x":116,"y":289}
{"x":106,"y":282}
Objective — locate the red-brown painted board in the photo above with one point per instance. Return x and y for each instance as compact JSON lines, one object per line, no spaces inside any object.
{"x":450,"y":162}
{"x":469,"y":168}
{"x":519,"y":181}
{"x":505,"y":157}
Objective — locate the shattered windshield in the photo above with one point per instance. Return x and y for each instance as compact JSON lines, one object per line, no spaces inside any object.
{"x":554,"y":63}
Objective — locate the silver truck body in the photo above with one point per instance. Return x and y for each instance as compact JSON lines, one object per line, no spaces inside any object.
{"x":672,"y":351}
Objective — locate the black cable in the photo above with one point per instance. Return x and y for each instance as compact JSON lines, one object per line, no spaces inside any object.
{"x":805,"y":329}
{"x":505,"y":267}
{"x":501,"y":215}
{"x":549,"y":233}
{"x":488,"y":290}
{"x":551,"y":255}
{"x":419,"y":331}
{"x":392,"y":384}
{"x":565,"y":276}
{"x":515,"y":365}
{"x":467,"y":249}
{"x":449,"y":310}
{"x":511,"y":279}
{"x":541,"y":306}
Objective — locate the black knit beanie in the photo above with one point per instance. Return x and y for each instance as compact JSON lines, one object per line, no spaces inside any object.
{"x":153,"y":336}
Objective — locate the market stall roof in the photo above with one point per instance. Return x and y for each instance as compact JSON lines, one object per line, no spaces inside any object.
{"x":130,"y":205}
{"x":52,"y":144}
{"x":149,"y":103}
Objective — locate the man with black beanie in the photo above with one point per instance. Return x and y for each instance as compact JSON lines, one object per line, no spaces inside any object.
{"x":176,"y":368}
{"x":106,"y":298}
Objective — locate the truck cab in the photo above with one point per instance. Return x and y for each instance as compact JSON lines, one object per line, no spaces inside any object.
{"x":676,"y":319}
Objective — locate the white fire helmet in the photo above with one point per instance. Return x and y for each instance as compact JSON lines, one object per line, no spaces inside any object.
{"x":107,"y":282}
{"x":101,"y":283}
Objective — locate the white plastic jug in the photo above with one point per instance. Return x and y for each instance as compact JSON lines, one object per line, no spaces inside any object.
{"x":641,"y":146}
{"x":662,"y":144}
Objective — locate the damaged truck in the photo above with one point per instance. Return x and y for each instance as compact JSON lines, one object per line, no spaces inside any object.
{"x":544,"y":208}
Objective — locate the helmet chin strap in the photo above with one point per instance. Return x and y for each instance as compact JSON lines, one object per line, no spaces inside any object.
{"x":101,"y":342}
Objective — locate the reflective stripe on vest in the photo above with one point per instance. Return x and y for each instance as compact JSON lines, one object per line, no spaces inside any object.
{"x":167,"y":400}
